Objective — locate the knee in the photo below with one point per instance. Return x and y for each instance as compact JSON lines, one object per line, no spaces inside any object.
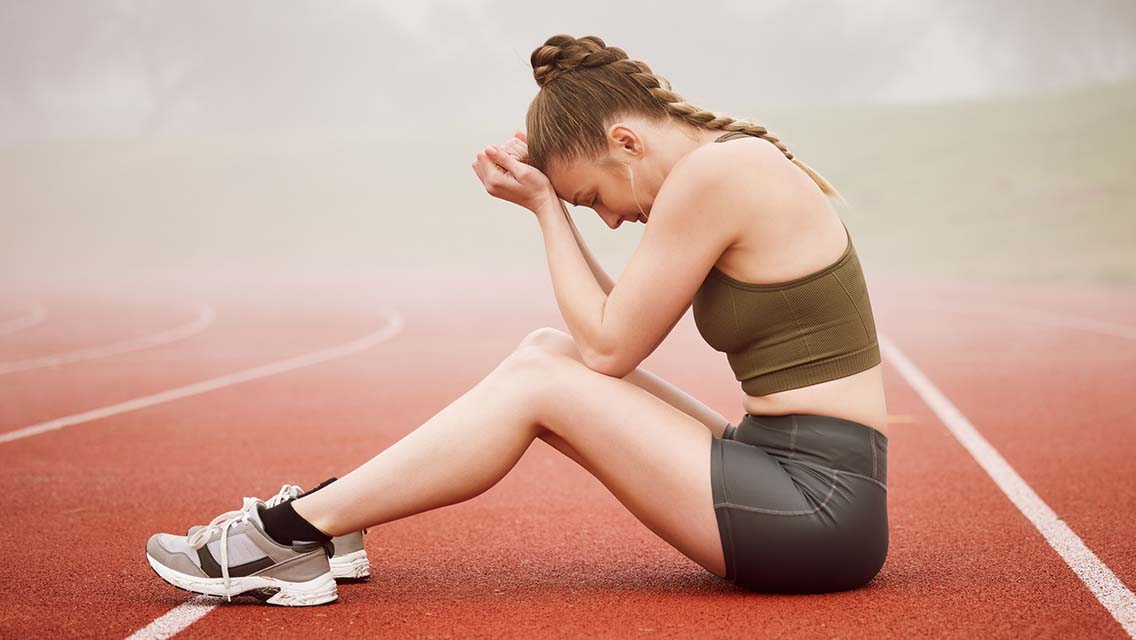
{"x":551,"y":340}
{"x":541,"y":358}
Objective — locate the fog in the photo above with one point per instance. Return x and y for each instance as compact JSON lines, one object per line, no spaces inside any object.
{"x":260,"y":136}
{"x":139,"y":68}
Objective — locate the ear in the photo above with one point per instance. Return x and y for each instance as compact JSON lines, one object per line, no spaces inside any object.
{"x":622,"y":138}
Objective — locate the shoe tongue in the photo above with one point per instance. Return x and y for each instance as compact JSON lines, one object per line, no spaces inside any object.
{"x":254,"y":515}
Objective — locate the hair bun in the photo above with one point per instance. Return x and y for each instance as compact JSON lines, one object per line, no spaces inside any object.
{"x":563,"y":53}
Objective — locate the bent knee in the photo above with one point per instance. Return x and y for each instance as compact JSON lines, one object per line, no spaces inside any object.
{"x":536,"y":369}
{"x":551,"y":340}
{"x":529,"y":356}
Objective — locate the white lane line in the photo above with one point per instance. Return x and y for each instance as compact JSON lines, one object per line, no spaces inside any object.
{"x":35,"y":315}
{"x":204,"y":316}
{"x":393,"y":326}
{"x":192,"y":610}
{"x":1024,"y":314}
{"x":1101,"y":581}
{"x":176,"y":619}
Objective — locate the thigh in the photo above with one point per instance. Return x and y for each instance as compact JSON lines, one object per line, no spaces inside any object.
{"x":556,"y":341}
{"x":652,"y":457}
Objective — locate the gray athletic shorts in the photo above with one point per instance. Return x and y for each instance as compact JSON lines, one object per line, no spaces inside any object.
{"x":801,"y":502}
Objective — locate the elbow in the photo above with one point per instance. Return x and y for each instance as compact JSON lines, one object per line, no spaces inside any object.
{"x":609,"y":363}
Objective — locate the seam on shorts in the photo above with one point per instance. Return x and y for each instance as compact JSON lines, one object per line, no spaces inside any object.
{"x":843,"y":471}
{"x":776,"y":512}
{"x":731,"y":569}
{"x":793,"y":438}
{"x":875,"y":474}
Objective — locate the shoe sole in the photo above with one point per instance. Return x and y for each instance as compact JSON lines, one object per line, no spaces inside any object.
{"x":350,"y":566}
{"x":319,"y":590}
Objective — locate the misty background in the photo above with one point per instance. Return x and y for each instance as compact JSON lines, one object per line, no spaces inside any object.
{"x":173,"y":141}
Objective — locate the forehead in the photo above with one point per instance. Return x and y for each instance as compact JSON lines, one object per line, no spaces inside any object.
{"x":567,"y":179}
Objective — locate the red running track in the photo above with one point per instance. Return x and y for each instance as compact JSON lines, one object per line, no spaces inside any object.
{"x":548,"y":550}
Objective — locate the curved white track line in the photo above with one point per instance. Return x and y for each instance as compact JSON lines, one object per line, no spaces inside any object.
{"x":1095,"y":574}
{"x":1023,"y":314}
{"x":176,"y":619}
{"x":393,"y":326}
{"x":204,"y":317}
{"x":35,"y":315}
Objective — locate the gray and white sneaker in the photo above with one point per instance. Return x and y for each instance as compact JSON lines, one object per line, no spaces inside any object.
{"x":349,"y":560}
{"x":233,"y":555}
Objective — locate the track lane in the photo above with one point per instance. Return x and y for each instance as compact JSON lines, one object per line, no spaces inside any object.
{"x":33,"y":314}
{"x":91,"y":488}
{"x":240,"y":338}
{"x":964,"y":561}
{"x":201,"y":316}
{"x":547,"y":550}
{"x":1055,"y":401}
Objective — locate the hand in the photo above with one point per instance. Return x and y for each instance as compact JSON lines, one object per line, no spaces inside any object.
{"x":517,"y":146}
{"x":506,"y":176}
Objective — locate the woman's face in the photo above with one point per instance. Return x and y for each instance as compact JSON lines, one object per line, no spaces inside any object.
{"x":606,"y":187}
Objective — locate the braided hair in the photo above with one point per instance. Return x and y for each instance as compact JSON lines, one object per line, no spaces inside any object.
{"x":583,"y":83}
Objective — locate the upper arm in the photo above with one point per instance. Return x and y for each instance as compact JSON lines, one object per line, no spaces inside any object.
{"x":694,"y":219}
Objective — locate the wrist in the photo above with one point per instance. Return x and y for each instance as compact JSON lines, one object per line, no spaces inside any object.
{"x":549,"y":206}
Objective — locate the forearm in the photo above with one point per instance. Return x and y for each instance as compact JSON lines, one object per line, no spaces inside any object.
{"x":604,"y":280}
{"x":578,"y":293}
{"x":677,"y":398}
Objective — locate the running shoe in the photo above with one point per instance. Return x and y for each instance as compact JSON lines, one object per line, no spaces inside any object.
{"x":233,"y":555}
{"x":348,"y":561}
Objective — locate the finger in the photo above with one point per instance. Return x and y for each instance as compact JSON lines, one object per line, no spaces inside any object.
{"x":505,"y":160}
{"x":522,"y":136}
{"x":516,"y":148}
{"x":499,"y":155}
{"x":486,"y":161}
{"x":484,"y":166}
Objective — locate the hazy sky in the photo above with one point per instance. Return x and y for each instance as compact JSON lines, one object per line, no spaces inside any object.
{"x":156,"y":68}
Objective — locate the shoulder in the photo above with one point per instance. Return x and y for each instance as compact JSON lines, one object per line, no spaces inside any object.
{"x":728,"y":182}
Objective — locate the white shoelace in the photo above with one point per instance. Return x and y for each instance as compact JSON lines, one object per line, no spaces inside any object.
{"x":226,"y":520}
{"x":287,"y":492}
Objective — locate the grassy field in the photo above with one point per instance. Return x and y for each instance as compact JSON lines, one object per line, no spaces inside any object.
{"x":1037,"y":188}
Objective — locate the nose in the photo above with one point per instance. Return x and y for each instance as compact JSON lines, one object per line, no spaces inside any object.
{"x":612,"y":221}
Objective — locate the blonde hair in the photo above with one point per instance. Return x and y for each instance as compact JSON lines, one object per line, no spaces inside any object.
{"x":584,"y":83}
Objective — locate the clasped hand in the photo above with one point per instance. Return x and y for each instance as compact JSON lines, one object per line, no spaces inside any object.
{"x":504,"y":171}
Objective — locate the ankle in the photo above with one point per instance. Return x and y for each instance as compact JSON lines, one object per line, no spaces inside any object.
{"x":309,"y":511}
{"x":284,"y":525}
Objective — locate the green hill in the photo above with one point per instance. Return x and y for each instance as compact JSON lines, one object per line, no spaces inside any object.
{"x":1023,"y":188}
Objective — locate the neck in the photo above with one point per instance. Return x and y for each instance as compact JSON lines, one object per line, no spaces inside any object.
{"x":678,"y":142}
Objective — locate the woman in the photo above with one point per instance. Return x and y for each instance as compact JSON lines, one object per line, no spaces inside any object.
{"x":791,"y":499}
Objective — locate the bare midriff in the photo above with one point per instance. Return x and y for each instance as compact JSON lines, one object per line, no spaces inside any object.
{"x":858,"y":397}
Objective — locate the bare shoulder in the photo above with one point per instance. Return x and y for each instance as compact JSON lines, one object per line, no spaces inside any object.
{"x":736,"y":183}
{"x":786,"y":226}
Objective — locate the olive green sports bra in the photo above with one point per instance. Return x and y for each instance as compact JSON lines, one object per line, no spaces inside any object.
{"x":793,"y":334}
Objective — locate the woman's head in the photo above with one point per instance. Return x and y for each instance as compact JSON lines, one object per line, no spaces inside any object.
{"x":596,"y":108}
